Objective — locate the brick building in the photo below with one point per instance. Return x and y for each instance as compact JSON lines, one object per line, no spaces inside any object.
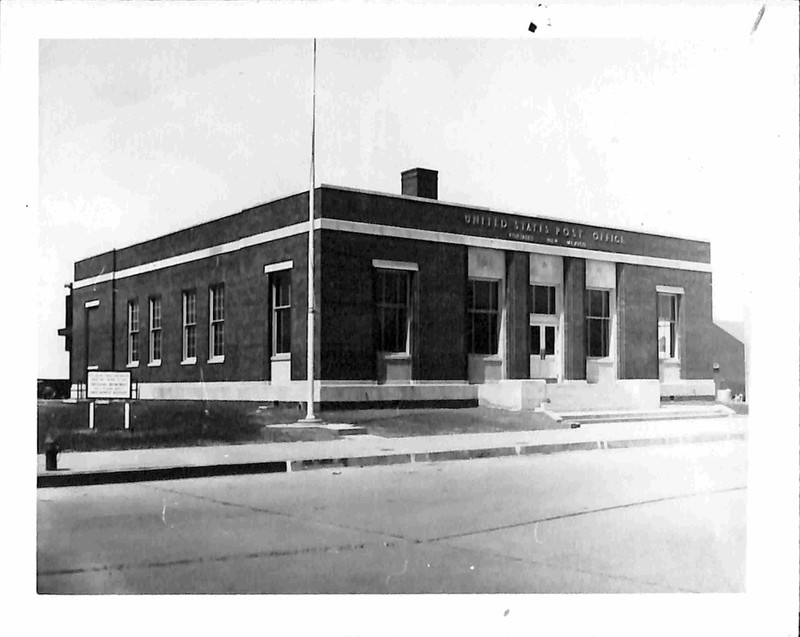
{"x":417,"y":300}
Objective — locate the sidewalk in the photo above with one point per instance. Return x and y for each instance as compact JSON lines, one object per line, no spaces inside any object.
{"x":108,"y":467}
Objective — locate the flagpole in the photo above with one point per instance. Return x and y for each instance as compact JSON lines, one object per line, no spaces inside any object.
{"x":310,"y":416}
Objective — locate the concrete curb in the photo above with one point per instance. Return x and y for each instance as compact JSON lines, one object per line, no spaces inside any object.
{"x":89,"y":478}
{"x":151,"y":474}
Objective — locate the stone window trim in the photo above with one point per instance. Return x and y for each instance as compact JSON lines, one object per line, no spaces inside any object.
{"x":216,"y":323}
{"x":189,"y":329}
{"x":133,"y":333}
{"x":394,"y":311}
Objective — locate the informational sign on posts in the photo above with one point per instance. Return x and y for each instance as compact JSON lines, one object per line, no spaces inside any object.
{"x":102,"y":384}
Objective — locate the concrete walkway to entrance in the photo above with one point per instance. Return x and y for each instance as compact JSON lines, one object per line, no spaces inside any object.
{"x":105,"y":467}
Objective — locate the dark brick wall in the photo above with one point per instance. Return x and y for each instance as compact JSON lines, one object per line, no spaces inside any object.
{"x":442,"y":318}
{"x":247,"y":304}
{"x":346,"y":314}
{"x":574,"y":319}
{"x":729,"y":355}
{"x":93,"y":266}
{"x":348,"y":307}
{"x":518,"y":324}
{"x":263,"y":218}
{"x":99,"y":340}
{"x":637,"y":323}
{"x":637,"y":314}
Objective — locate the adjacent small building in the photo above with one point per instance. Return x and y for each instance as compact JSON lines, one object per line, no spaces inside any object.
{"x":417,"y":301}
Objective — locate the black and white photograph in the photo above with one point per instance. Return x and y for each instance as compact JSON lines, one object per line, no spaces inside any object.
{"x":485,"y":312}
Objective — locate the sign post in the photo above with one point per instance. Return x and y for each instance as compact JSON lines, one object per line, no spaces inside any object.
{"x":105,"y":384}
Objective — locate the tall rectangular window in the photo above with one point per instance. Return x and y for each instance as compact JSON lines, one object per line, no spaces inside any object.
{"x":189,"y":354}
{"x":281,"y":312}
{"x":598,"y":323}
{"x":668,"y":307}
{"x":393,"y":289}
{"x":155,"y":330}
{"x":216,"y":328}
{"x":133,"y":332}
{"x":543,"y":299}
{"x":483,"y":316}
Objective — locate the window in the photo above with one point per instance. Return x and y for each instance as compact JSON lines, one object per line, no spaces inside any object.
{"x":133,"y":333}
{"x":393,"y":290}
{"x":155,"y":330}
{"x":281,"y":312}
{"x":189,"y":354}
{"x":483,"y":316}
{"x":598,"y":323}
{"x":543,"y":299}
{"x":216,"y":330}
{"x":546,"y":346}
{"x":668,"y":305}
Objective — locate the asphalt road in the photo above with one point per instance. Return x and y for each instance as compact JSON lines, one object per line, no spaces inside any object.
{"x":663,"y":519}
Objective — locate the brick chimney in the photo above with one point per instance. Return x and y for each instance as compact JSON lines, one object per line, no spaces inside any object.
{"x":420,"y":182}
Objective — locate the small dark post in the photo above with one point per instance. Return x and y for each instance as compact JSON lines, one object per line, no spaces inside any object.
{"x":51,"y":450}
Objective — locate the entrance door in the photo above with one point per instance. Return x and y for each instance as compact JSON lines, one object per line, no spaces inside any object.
{"x":544,"y":351}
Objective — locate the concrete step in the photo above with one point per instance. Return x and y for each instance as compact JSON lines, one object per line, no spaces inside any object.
{"x":352,"y":431}
{"x":343,"y":429}
{"x":717,"y":411}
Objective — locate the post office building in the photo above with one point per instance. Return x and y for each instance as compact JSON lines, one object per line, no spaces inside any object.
{"x":417,"y":301}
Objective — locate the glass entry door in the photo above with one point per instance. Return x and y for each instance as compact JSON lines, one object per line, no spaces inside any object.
{"x":544,"y":350}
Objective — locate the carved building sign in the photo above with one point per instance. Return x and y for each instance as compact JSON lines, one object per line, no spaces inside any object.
{"x":550,"y":232}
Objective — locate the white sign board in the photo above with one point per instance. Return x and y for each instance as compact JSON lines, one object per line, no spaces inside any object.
{"x":109,"y":385}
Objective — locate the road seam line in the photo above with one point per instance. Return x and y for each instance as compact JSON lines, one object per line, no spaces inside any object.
{"x":581,"y":513}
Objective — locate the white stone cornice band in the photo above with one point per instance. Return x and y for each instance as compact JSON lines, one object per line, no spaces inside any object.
{"x":505,"y":244}
{"x":395,"y":232}
{"x":205,"y":253}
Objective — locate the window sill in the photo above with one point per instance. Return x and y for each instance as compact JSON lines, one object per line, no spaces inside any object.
{"x":281,"y":357}
{"x":154,"y":364}
{"x":395,"y":356}
{"x":216,"y":359}
{"x":92,"y":368}
{"x":488,"y":357}
{"x":133,"y":364}
{"x":189,"y":361}
{"x":600,"y":359}
{"x":669,"y":361}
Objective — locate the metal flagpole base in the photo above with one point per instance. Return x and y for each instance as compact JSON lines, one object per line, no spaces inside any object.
{"x":313,"y":420}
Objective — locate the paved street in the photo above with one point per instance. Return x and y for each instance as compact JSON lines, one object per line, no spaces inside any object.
{"x":660,"y":519}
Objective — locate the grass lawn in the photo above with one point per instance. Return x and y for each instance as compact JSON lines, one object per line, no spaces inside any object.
{"x":396,"y":423}
{"x":157,"y":424}
{"x":166,"y":424}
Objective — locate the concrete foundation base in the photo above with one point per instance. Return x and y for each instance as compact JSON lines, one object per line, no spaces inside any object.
{"x":684,"y":388}
{"x":508,"y":394}
{"x":622,"y":394}
{"x":514,"y":395}
{"x":325,"y":392}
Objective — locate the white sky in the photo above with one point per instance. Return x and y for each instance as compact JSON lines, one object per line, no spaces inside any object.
{"x":141,"y":137}
{"x":674,"y":118}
